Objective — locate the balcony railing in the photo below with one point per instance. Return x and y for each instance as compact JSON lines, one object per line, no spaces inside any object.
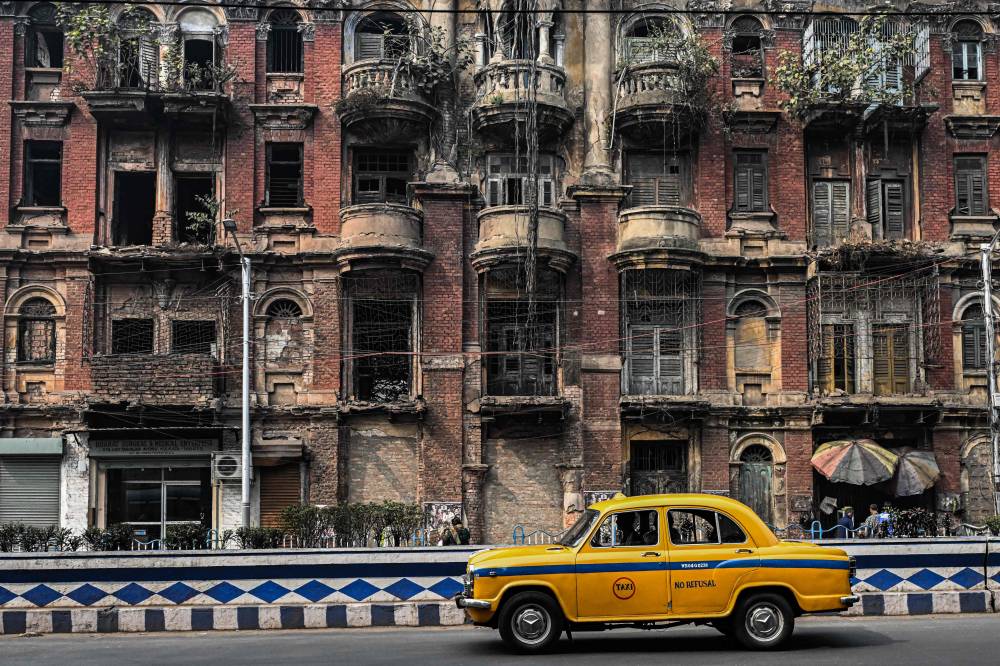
{"x":384,"y":78}
{"x":510,"y":80}
{"x":650,"y":83}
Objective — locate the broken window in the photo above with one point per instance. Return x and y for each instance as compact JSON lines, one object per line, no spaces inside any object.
{"x":138,"y":51}
{"x":661,"y":313}
{"x":886,"y":203}
{"x":747,"y":56}
{"x":42,"y":173}
{"x":381,"y":324}
{"x":283,"y":332}
{"x":134,"y":207}
{"x":836,"y":364}
{"x":381,"y":36}
{"x":831,"y":211}
{"x":380,"y":176}
{"x":970,"y":185}
{"x":198,"y":28}
{"x":966,"y":51}
{"x":132,"y":336}
{"x":192,"y":337}
{"x":507,"y":180}
{"x":644,"y":43}
{"x":284,"y":175}
{"x":284,"y":43}
{"x":43,"y":46}
{"x":36,"y":332}
{"x":973,"y":338}
{"x":750,"y":182}
{"x":521,"y":337}
{"x":891,"y":352}
{"x":193,"y":197}
{"x":658,"y":179}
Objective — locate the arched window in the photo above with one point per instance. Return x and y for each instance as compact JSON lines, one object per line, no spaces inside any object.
{"x":198,"y":29}
{"x":138,"y":50}
{"x":967,"y":51}
{"x":44,"y":43}
{"x":650,"y":39}
{"x":284,"y":43}
{"x":518,"y":35}
{"x":381,"y":36}
{"x":747,"y":56}
{"x":36,"y":332}
{"x":973,"y":338}
{"x":283,"y":333}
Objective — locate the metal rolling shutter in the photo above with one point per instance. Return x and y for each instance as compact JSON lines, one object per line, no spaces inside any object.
{"x":29,"y":490}
{"x":280,"y":487}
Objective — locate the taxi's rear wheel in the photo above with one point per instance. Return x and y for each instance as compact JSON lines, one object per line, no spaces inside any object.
{"x":763,"y":622}
{"x":530,"y":622}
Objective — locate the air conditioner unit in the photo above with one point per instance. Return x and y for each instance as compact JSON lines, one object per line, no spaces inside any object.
{"x":227,"y":467}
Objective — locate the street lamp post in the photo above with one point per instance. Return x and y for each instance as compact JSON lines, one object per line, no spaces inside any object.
{"x":229,"y":225}
{"x":986,"y":257}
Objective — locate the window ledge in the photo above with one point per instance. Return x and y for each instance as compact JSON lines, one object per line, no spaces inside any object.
{"x":278,"y":210}
{"x":40,"y":209}
{"x":35,"y":365}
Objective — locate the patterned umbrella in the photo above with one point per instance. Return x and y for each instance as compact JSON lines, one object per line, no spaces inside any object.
{"x":916,"y":472}
{"x":861,"y":462}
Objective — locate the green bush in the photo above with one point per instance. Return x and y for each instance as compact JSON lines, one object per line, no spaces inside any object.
{"x":913,"y":522}
{"x":993,"y":524}
{"x":31,"y":539}
{"x":115,"y":537}
{"x":258,"y":538}
{"x":307,"y":524}
{"x":192,"y":536}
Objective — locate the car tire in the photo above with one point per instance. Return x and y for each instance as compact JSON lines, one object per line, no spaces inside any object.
{"x":530,"y":622}
{"x":763,"y":621}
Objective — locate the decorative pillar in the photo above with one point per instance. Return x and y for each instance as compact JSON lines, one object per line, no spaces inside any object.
{"x":544,"y":30}
{"x":597,"y":92}
{"x":480,"y":50}
{"x":560,"y":58}
{"x":163,"y":220}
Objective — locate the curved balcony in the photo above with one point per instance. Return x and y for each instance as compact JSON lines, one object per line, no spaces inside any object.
{"x":649,"y":95}
{"x":503,"y":234}
{"x":658,"y":237}
{"x":381,"y":234}
{"x":383,"y":102}
{"x":502,"y":89}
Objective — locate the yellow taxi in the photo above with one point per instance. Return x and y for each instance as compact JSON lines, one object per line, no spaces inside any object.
{"x":656,"y":561}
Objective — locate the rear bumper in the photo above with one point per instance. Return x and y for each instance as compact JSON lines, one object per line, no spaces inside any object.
{"x":850,"y":600}
{"x":464,"y":602}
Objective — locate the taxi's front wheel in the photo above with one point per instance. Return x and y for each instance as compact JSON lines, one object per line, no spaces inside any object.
{"x":530,"y":622}
{"x":763,"y":621}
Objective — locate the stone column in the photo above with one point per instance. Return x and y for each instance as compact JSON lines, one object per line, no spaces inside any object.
{"x":480,"y":50}
{"x":544,"y":29}
{"x":597,"y":92}
{"x":163,"y":219}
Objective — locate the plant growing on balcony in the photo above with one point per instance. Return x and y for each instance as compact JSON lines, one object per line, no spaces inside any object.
{"x":850,"y":73}
{"x":201,"y":223}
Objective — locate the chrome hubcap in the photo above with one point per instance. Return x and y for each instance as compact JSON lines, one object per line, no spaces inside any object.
{"x":764,"y":622}
{"x":531,"y":624}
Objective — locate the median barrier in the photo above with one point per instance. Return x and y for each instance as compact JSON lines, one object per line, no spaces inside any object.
{"x":272,"y":589}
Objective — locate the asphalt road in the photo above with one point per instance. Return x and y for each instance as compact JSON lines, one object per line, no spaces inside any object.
{"x":942,"y":639}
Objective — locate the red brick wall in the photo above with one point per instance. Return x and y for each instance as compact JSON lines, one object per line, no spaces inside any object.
{"x":7,"y":90}
{"x":323,"y":67}
{"x":241,"y":152}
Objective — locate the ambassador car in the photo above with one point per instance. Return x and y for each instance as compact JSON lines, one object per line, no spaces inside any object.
{"x":652,"y":561}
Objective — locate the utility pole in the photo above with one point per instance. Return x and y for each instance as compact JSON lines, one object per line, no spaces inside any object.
{"x":986,"y":250}
{"x":230,"y":226}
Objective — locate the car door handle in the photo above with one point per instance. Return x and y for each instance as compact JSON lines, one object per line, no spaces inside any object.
{"x":744,"y":551}
{"x":651,"y":553}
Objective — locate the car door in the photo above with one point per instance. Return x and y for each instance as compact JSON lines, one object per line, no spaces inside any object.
{"x":709,"y":557}
{"x":621,"y":570}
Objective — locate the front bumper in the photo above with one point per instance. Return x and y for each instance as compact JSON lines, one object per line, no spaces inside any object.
{"x":464,"y":602}
{"x":850,"y":601}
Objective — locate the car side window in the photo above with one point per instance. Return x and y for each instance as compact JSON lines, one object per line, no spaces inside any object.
{"x":628,"y":528}
{"x":730,"y":531}
{"x":692,"y":526}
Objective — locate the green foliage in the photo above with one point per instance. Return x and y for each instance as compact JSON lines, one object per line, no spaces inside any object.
{"x":306,"y":524}
{"x":201,"y":223}
{"x":993,"y":525}
{"x":191,"y":536}
{"x":115,"y":537}
{"x":847,"y":75}
{"x":258,"y":538}
{"x":30,"y":539}
{"x":402,"y":520}
{"x":913,"y":522}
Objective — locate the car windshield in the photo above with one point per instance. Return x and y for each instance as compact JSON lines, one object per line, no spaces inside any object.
{"x":580,"y":528}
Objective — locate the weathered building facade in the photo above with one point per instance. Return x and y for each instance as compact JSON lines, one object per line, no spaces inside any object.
{"x":505,"y":286}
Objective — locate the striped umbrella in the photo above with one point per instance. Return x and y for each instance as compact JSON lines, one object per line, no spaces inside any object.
{"x":916,"y":472}
{"x":861,"y":462}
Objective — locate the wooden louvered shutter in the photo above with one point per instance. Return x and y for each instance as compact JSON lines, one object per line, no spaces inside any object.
{"x":642,"y":361}
{"x":977,"y":193}
{"x":882,"y":364}
{"x":148,"y":61}
{"x":873,"y":203}
{"x":894,"y":203}
{"x":750,"y":183}
{"x":922,"y":48}
{"x":642,"y":172}
{"x":671,"y":366}
{"x":280,"y":487}
{"x":369,"y":46}
{"x":668,"y":191}
{"x":970,"y":186}
{"x":29,"y":490}
{"x":840,"y":205}
{"x":900,"y":360}
{"x":821,"y":214}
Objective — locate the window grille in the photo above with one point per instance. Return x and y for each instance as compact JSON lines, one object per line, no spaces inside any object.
{"x":284,"y":43}
{"x":284,"y":308}
{"x":284,"y":175}
{"x":922,"y":51}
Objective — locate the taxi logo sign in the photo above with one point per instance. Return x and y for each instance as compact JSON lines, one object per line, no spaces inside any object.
{"x":623,"y":588}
